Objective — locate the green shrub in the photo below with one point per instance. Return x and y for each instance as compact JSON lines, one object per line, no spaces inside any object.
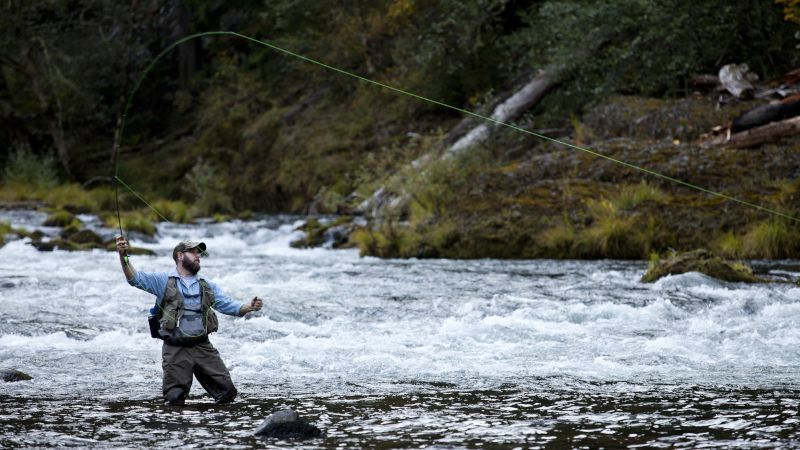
{"x":207,"y":189}
{"x":26,"y":168}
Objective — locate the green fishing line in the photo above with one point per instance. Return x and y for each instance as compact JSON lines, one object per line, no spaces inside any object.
{"x":419,"y":97}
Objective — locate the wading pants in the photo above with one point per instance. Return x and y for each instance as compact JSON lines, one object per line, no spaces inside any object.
{"x":202,"y":361}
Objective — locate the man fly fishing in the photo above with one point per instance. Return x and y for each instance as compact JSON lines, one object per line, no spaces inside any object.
{"x":183,"y":317}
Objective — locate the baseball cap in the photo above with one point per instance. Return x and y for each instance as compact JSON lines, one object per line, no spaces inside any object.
{"x":188,"y":245}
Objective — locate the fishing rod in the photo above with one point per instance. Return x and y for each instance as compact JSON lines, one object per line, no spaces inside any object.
{"x":276,"y":48}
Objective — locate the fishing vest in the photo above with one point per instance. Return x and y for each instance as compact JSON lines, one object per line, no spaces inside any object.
{"x":181,"y":325}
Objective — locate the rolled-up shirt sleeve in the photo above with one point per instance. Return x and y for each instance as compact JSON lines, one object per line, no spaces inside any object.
{"x":223,"y":303}
{"x":152,"y":282}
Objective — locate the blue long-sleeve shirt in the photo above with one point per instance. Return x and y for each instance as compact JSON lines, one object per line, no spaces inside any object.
{"x":156,"y":284}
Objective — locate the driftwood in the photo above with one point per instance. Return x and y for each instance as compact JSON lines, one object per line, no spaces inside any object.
{"x":737,"y":79}
{"x":764,"y":114}
{"x":754,"y":136}
{"x":510,"y":109}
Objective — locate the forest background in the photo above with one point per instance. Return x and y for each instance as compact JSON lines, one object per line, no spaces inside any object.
{"x":225,"y":128}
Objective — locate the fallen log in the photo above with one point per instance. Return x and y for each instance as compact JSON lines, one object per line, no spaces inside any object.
{"x":764,"y":114}
{"x":755,"y":136}
{"x":510,"y":109}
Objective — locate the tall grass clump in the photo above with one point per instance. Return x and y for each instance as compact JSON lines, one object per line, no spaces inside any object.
{"x":559,"y":241}
{"x":729,"y":246}
{"x":612,"y":235}
{"x":772,"y":239}
{"x":174,"y":211}
{"x":631,"y":196}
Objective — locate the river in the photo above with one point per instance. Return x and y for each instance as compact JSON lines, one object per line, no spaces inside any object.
{"x":399,"y":353}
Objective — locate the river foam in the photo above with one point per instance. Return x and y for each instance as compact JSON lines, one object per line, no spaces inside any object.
{"x":331,"y":315}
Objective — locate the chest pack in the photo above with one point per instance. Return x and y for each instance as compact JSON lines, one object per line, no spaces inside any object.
{"x":179,"y":323}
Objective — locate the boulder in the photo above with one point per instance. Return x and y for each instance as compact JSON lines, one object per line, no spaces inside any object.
{"x":86,"y":236}
{"x":10,"y":375}
{"x":285,"y":424}
{"x":59,"y":219}
{"x":702,"y":261}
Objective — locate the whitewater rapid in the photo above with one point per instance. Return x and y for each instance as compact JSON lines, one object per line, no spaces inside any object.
{"x":72,"y":322}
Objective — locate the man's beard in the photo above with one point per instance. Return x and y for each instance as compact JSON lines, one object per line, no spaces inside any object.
{"x":192,"y":267}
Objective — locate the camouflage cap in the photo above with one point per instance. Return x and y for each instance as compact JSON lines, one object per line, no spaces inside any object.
{"x":187,"y":245}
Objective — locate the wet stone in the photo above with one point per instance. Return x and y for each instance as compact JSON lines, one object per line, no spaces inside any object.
{"x":287,"y":424}
{"x":86,"y":237}
{"x":702,"y":261}
{"x":10,"y":375}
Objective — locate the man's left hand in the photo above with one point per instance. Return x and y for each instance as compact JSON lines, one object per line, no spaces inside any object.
{"x":255,"y":305}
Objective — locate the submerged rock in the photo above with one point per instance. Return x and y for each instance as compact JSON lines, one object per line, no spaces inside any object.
{"x":702,"y":261}
{"x":9,"y":375}
{"x":287,"y":424}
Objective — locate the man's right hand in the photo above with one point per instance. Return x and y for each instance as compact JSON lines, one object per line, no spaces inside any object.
{"x":122,"y":245}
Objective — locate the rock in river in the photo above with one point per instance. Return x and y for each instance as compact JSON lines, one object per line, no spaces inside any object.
{"x":10,"y":375}
{"x":287,"y":424}
{"x":702,"y":261}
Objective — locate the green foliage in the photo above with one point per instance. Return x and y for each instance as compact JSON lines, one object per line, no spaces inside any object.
{"x":28,"y":169}
{"x":436,"y":189}
{"x":644,"y":47}
{"x":207,"y":189}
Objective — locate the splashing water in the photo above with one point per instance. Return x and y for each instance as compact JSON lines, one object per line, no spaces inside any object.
{"x":399,"y":353}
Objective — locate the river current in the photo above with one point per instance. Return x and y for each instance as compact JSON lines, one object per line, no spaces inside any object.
{"x":399,"y":353}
